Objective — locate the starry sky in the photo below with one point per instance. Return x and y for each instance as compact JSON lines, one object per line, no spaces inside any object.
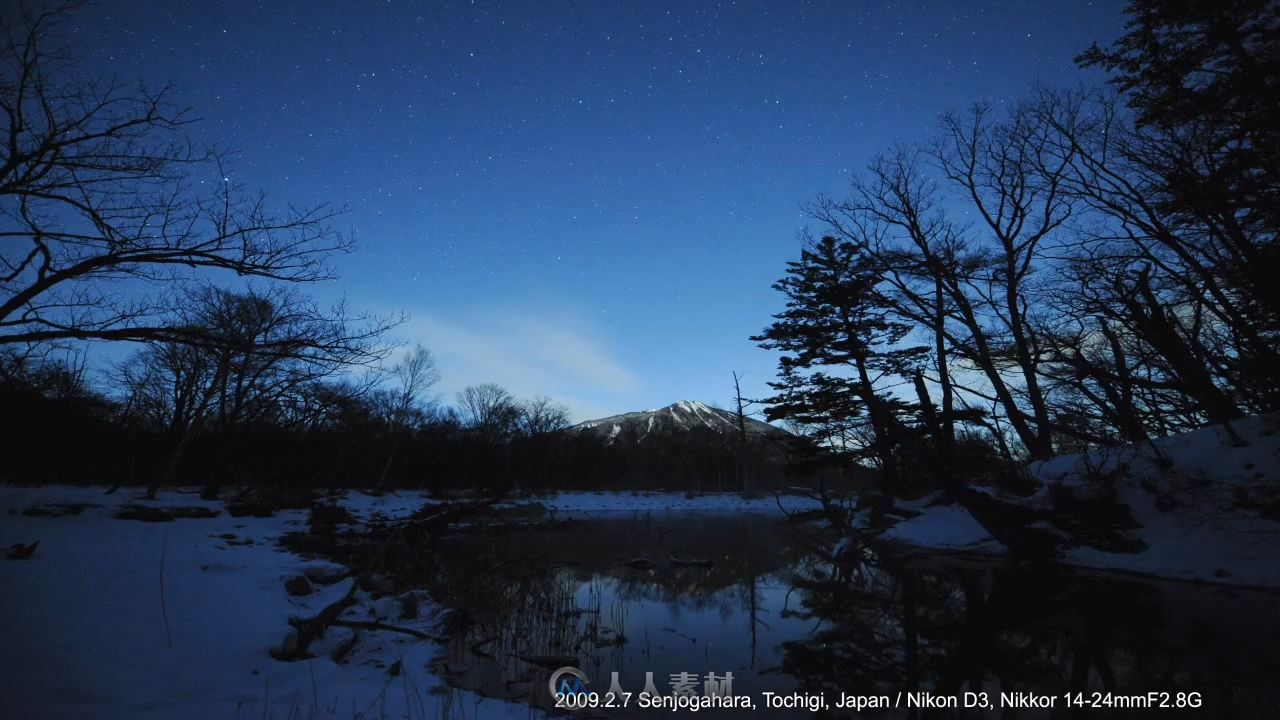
{"x":588,"y":200}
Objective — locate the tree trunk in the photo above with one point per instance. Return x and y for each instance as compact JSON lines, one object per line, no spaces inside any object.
{"x":939,"y":454}
{"x":1147,"y":313}
{"x":386,"y":466}
{"x":948,"y":431}
{"x":169,"y":476}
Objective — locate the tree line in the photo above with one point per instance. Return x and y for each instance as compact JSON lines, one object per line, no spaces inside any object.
{"x":214,"y":418}
{"x":1082,"y":268}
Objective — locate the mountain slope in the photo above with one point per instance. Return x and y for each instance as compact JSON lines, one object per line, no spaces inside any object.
{"x":685,"y":415}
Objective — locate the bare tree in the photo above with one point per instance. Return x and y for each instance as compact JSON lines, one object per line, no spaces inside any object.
{"x":54,"y":372}
{"x":972,"y":287}
{"x":100,"y":188}
{"x":898,"y":209}
{"x":415,"y":375}
{"x":1014,"y":182}
{"x":541,"y":415}
{"x":1159,"y":266}
{"x":261,"y":347}
{"x":488,"y":409}
{"x":745,"y":466}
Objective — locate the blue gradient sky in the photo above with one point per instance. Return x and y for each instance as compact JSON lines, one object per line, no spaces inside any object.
{"x":587,"y":200}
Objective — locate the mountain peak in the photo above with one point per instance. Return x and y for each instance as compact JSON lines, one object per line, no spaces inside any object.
{"x":680,"y":416}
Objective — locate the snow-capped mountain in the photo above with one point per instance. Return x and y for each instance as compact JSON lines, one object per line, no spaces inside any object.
{"x":685,"y":415}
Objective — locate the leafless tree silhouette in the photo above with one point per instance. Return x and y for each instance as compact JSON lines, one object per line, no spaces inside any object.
{"x":109,"y":210}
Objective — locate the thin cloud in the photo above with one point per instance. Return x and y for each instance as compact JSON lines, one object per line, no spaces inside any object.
{"x":527,"y":356}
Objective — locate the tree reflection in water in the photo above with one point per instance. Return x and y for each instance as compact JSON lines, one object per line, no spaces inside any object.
{"x":948,"y":625}
{"x":526,"y":602}
{"x":620,"y":595}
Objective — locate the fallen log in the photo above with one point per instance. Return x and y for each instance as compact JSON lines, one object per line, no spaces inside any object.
{"x":405,"y":536}
{"x":477,"y":646}
{"x":369,"y":625}
{"x":19,"y":551}
{"x":691,"y":562}
{"x":306,"y":630}
{"x":641,"y":563}
{"x":433,"y":524}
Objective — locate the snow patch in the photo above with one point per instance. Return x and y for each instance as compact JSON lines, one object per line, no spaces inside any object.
{"x":944,"y":527}
{"x":1205,"y":500}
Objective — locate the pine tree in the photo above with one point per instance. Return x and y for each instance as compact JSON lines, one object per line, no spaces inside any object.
{"x":841,"y":344}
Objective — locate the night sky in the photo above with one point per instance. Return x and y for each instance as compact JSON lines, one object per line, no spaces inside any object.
{"x":587,"y":200}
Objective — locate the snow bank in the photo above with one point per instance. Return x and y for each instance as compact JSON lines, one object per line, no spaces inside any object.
{"x":1206,"y":502}
{"x":1213,"y":458}
{"x":125,"y":619}
{"x":1194,"y":546}
{"x":1202,"y":499}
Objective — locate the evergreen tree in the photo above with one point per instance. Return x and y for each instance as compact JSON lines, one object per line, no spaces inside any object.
{"x":841,"y":345}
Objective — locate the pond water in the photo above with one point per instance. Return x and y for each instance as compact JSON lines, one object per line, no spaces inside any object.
{"x":682,"y":596}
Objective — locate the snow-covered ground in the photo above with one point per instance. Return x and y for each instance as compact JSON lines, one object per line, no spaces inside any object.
{"x":1196,"y":497}
{"x":113,"y":618}
{"x":119,"y":618}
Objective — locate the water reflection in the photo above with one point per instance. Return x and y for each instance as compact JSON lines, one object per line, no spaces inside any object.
{"x":668,"y":594}
{"x":662,"y":594}
{"x":949,"y":626}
